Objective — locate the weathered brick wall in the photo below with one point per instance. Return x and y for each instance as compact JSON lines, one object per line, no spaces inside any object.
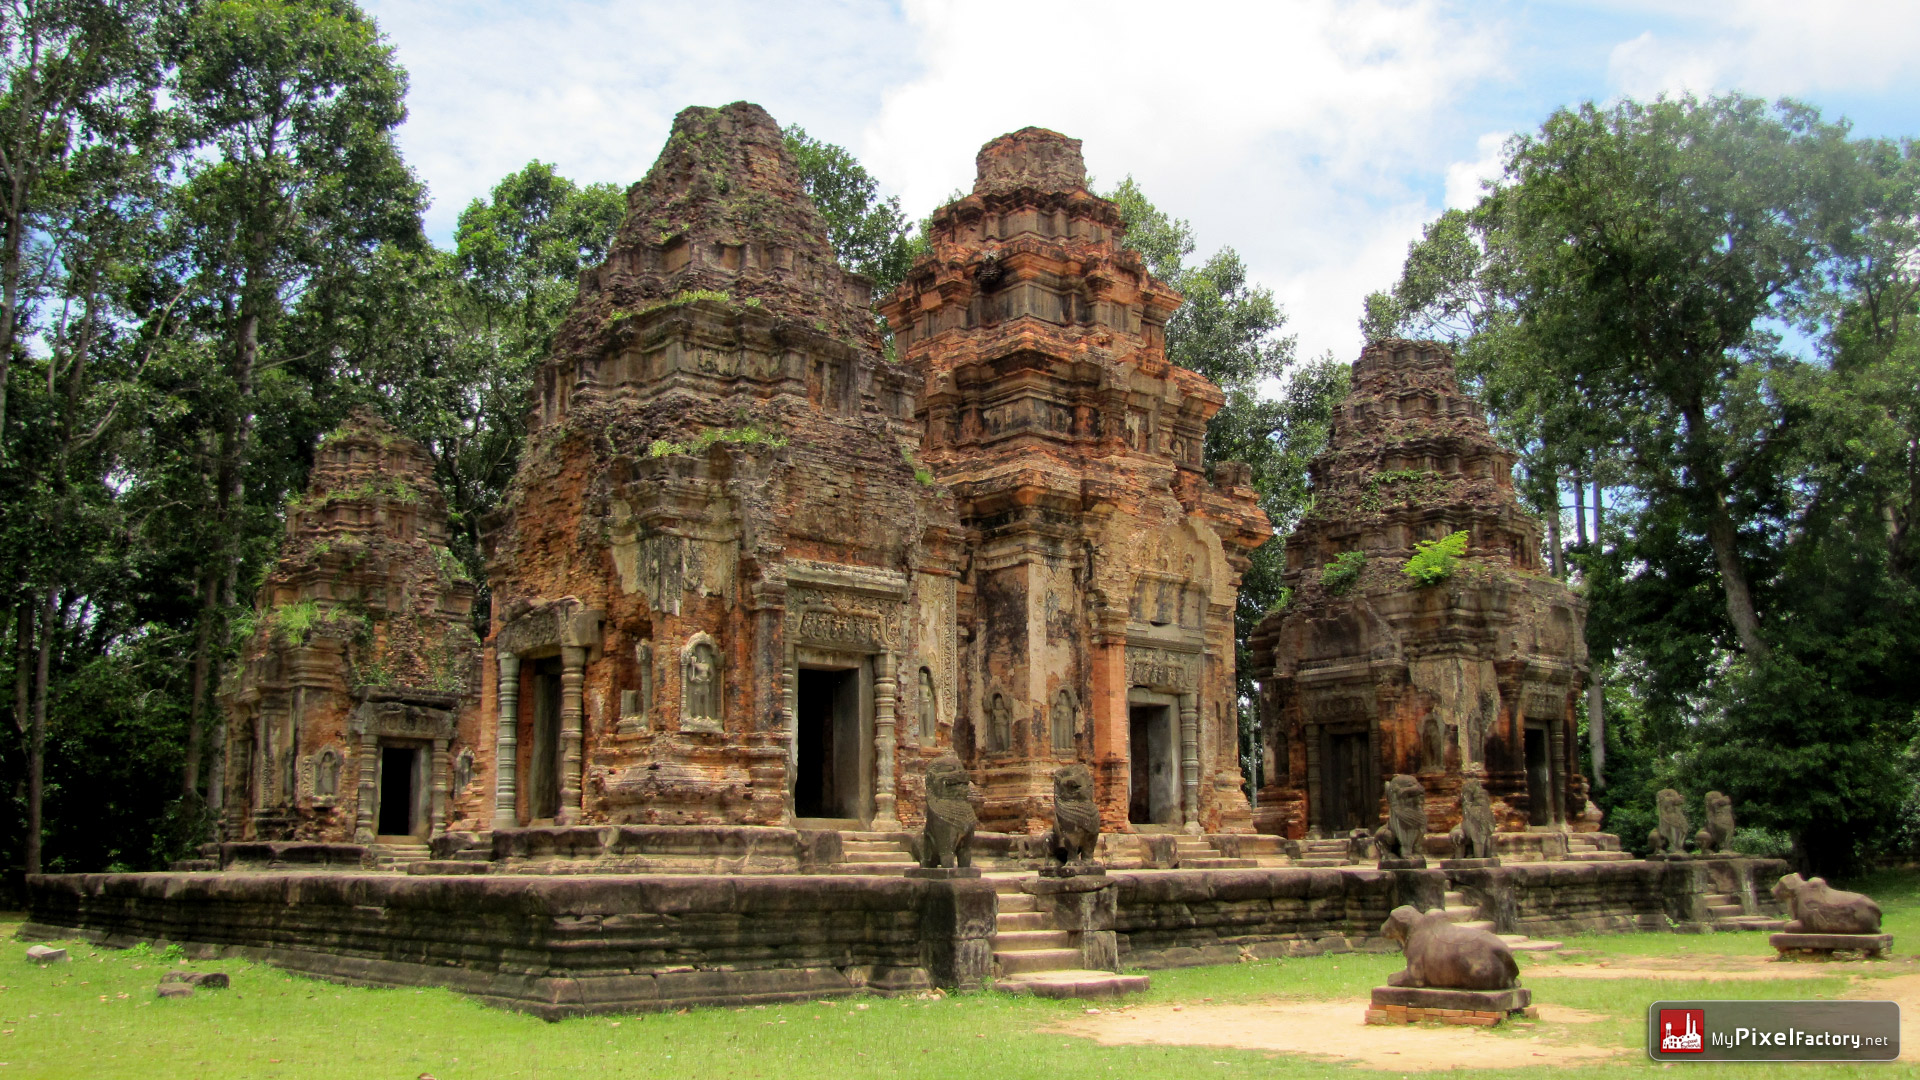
{"x":554,"y":946}
{"x":1217,"y":916}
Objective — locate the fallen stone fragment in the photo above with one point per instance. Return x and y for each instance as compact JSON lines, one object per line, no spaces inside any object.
{"x":175,"y":990}
{"x":204,"y":980}
{"x":43,"y":954}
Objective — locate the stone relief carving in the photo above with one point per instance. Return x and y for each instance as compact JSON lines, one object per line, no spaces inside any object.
{"x":699,"y":681}
{"x":1162,"y":670}
{"x":1433,"y":751}
{"x":462,"y":771}
{"x":929,"y":709}
{"x":1065,"y":721}
{"x":999,"y":725}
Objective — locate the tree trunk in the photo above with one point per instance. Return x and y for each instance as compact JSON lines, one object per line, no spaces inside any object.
{"x":1554,"y":560}
{"x":22,"y":665}
{"x":1597,"y":685}
{"x":1579,"y":511}
{"x":37,"y":734}
{"x":1724,"y":536}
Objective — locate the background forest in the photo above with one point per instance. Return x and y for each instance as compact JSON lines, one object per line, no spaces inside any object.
{"x":1695,"y":320}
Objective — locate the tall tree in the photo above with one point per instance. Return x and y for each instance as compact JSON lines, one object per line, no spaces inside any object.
{"x":869,"y":234}
{"x":294,"y":184}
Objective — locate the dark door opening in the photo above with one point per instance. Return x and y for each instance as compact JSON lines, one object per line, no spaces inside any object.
{"x":1350,"y":798}
{"x":1539,"y":779}
{"x":397,"y":765}
{"x":826,"y":782}
{"x":543,"y":762}
{"x":1152,"y":796}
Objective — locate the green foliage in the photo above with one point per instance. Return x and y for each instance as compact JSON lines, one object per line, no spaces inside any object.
{"x":1340,"y":575}
{"x":294,"y":621}
{"x":701,"y":443}
{"x":1433,"y":561}
{"x":869,"y":234}
{"x":1399,"y":486}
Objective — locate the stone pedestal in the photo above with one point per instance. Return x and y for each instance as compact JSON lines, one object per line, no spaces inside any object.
{"x":1468,"y":864}
{"x":1084,"y":902}
{"x":1417,"y":863}
{"x":1072,"y":870}
{"x":943,"y":873}
{"x":1473,"y":1008}
{"x":1823,"y":946}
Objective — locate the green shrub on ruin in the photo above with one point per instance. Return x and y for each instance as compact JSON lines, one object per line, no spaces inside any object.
{"x":1434,"y":561}
{"x":1339,"y":575}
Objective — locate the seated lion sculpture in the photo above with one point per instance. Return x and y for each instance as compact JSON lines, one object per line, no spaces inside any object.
{"x":1076,"y":821}
{"x":1405,"y":833}
{"x":1819,"y":909}
{"x":946,"y":839}
{"x":1473,"y":837}
{"x":1443,"y":954}
{"x":1669,"y":837}
{"x":1717,"y":837}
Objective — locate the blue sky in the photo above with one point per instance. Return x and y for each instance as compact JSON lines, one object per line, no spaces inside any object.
{"x":1315,"y":137}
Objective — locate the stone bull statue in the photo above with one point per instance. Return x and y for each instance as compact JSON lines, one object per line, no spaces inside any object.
{"x":1446,"y":955}
{"x":1818,"y":909}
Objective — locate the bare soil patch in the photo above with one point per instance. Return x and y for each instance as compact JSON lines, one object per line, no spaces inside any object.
{"x":1337,"y":1030}
{"x":1904,"y":989}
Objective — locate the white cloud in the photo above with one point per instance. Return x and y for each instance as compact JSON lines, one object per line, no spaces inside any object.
{"x":1466,"y":180}
{"x":1292,"y":131}
{"x":1771,"y":47}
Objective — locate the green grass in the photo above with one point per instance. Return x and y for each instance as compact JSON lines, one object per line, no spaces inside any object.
{"x":97,"y":1017}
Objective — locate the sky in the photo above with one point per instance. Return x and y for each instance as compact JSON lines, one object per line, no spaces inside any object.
{"x":1314,"y":137}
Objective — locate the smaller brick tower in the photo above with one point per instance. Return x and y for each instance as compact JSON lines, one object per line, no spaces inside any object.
{"x":1377,"y":675}
{"x":355,"y":711}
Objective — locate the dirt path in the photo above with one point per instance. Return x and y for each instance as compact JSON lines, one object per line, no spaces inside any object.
{"x":1337,"y":1030}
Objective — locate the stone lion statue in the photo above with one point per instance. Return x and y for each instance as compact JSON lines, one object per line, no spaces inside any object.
{"x":1473,"y":837}
{"x":1404,"y":835}
{"x":1076,"y":821}
{"x":948,"y":834}
{"x":1446,"y":955}
{"x":1819,"y":909}
{"x":1717,"y":837}
{"x":1669,"y":837}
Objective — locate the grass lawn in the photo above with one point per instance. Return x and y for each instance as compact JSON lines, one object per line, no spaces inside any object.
{"x":97,"y":1017}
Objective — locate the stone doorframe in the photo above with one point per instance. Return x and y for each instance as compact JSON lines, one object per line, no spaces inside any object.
{"x":574,"y":630}
{"x":1171,"y":676}
{"x":402,"y":718}
{"x":1319,"y":740}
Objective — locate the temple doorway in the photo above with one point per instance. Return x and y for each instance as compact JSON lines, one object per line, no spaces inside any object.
{"x":827,"y":744}
{"x":1153,"y":796}
{"x":399,"y":791}
{"x":1539,"y":778}
{"x":543,"y":759}
{"x":1350,"y":794}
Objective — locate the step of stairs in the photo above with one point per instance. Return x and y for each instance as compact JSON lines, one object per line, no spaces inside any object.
{"x":390,"y":855}
{"x":1012,"y":941}
{"x":1073,"y":983}
{"x":1026,"y":960}
{"x":1463,"y":912}
{"x":1597,"y":856}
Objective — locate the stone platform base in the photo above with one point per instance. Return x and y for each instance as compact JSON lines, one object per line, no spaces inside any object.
{"x":1403,"y":864}
{"x":1073,"y":983}
{"x":1471,"y":1008}
{"x":1823,"y":946}
{"x":1468,"y":864}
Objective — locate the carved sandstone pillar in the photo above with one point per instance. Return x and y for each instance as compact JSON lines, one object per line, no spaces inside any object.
{"x":506,"y":744}
{"x":1107,"y":714}
{"x":1557,"y":771}
{"x":369,"y":779}
{"x":1190,"y":761}
{"x":1316,"y":788}
{"x":573,"y":676}
{"x":883,"y":741}
{"x":437,"y":809}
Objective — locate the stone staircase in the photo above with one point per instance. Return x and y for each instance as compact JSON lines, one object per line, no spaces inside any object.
{"x":1030,"y":958}
{"x":1195,"y":853}
{"x":398,"y":853}
{"x":1725,"y":911}
{"x":874,"y":853}
{"x":1323,"y":853}
{"x":1582,"y":847}
{"x":1461,"y":912}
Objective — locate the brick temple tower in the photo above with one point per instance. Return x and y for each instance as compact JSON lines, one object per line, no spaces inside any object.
{"x":355,"y":712}
{"x":1096,"y":607}
{"x":1477,"y":675}
{"x":721,"y":593}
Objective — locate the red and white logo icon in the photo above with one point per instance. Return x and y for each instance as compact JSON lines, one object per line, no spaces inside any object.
{"x":1681,"y":1031}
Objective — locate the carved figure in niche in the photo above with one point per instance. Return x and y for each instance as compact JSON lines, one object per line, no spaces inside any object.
{"x":1446,"y":955}
{"x":643,"y":694}
{"x":1433,"y":749}
{"x":1404,"y":834}
{"x":948,"y":833}
{"x":1479,"y":722}
{"x":999,"y":725}
{"x":1076,"y":821}
{"x":1064,"y":719}
{"x":929,"y":719}
{"x":462,"y":771}
{"x":1717,"y":837}
{"x":326,"y":774}
{"x":1818,"y":909}
{"x":702,"y":679}
{"x":1473,"y":837}
{"x":1669,"y":837}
